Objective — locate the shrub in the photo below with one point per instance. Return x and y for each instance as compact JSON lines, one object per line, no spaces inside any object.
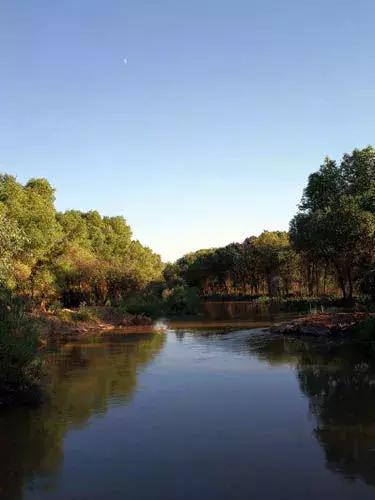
{"x":177,"y":301}
{"x":182,"y":300}
{"x":20,"y":363}
{"x":64,"y":314}
{"x":55,"y":307}
{"x":85,"y":313}
{"x":149,"y":304}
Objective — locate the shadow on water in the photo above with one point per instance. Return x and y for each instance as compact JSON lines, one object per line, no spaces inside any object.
{"x":31,"y":440}
{"x":339,"y":382}
{"x":243,"y":311}
{"x":231,"y":315}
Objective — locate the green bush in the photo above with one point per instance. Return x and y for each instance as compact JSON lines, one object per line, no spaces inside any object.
{"x":20,"y":363}
{"x":182,"y":300}
{"x":149,"y":304}
{"x":177,"y":301}
{"x":64,"y":314}
{"x":55,"y":307}
{"x":85,"y":313}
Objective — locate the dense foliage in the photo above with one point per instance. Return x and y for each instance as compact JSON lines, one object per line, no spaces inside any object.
{"x":20,"y":365}
{"x":335,"y":226}
{"x":76,"y":257}
{"x":259,"y":265}
{"x":72,"y":257}
{"x":162,"y":301}
{"x":329,"y":248}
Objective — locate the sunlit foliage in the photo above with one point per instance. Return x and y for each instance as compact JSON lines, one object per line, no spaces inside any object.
{"x":335,"y":225}
{"x":73,"y":257}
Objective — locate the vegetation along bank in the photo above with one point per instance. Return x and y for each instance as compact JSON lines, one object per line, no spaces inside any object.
{"x":84,"y":271}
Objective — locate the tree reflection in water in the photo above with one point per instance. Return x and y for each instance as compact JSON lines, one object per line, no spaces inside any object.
{"x":339,"y":381}
{"x":31,"y":440}
{"x":87,"y":379}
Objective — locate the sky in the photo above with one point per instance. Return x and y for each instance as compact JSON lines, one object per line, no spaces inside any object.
{"x":208,"y":133}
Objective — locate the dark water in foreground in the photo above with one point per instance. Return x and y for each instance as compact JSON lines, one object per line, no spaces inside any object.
{"x":190,"y":414}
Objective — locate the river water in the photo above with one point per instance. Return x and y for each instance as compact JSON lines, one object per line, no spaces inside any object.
{"x":209,"y":410}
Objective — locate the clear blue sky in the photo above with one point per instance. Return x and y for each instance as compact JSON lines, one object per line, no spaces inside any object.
{"x":208,"y":133}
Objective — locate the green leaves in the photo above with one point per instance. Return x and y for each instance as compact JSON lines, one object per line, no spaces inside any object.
{"x":77,"y":256}
{"x":12,"y":243}
{"x":336,"y":222}
{"x":255,"y":264}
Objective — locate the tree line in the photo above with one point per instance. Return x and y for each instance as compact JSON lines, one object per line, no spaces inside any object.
{"x":73,"y":257}
{"x":81,"y":257}
{"x":329,"y":248}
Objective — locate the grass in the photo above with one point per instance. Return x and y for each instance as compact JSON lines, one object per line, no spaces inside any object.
{"x":83,"y":314}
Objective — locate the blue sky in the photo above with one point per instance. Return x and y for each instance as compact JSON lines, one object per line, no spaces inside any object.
{"x":208,"y":133}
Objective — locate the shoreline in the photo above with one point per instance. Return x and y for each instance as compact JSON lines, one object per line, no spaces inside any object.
{"x":323,"y":324}
{"x":107,"y":322}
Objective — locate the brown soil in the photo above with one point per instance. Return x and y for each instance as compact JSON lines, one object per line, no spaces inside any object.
{"x":322,"y":324}
{"x":106,"y":321}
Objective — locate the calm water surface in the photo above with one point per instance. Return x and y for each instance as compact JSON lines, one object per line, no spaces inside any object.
{"x":211,"y":413}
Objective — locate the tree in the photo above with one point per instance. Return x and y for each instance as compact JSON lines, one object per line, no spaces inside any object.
{"x":269,"y":247}
{"x":75,"y":256}
{"x":336,"y":221}
{"x":12,"y":243}
{"x":31,"y":209}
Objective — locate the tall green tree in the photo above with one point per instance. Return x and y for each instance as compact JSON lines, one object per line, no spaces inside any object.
{"x":74,"y":256}
{"x":336,"y":220}
{"x":12,"y":244}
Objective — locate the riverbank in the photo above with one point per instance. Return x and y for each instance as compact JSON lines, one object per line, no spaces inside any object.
{"x":76,"y":323}
{"x":328,"y":324}
{"x":297,"y":302}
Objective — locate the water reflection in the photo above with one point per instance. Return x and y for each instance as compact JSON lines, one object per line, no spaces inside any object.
{"x":238,"y":310}
{"x":31,"y":441}
{"x":213,"y":398}
{"x":339,"y":381}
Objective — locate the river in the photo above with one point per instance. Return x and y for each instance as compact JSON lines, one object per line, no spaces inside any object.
{"x":209,"y":409}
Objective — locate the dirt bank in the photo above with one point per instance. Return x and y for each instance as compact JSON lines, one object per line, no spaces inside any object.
{"x":328,"y":324}
{"x":70,"y":323}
